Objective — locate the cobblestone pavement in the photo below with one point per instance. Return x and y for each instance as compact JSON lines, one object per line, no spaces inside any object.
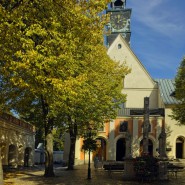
{"x":78,"y":176}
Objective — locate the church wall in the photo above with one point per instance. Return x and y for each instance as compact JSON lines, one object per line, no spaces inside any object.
{"x":138,"y":83}
{"x":107,"y":128}
{"x":174,"y":131}
{"x":138,"y":72}
{"x":135,"y":97}
{"x":112,"y":128}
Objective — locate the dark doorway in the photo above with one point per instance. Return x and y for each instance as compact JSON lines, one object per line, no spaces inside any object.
{"x":179,"y":147}
{"x":27,"y":156}
{"x":120,"y":149}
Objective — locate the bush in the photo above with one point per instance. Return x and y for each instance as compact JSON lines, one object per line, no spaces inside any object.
{"x":146,"y":167}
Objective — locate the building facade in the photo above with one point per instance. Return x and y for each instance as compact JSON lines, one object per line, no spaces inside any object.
{"x":17,"y":142}
{"x":138,"y":84}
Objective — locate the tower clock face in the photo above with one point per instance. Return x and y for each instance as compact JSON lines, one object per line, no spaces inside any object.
{"x":118,"y":21}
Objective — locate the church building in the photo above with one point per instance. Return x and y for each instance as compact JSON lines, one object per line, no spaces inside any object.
{"x":140,"y":89}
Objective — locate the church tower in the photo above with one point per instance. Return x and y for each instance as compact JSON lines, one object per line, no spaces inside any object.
{"x":119,"y":21}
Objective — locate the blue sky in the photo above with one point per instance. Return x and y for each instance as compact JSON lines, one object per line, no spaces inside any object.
{"x":158,"y":35}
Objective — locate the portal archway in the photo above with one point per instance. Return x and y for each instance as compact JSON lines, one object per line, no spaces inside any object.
{"x":180,"y":147}
{"x":12,"y":156}
{"x":27,"y":155}
{"x":120,"y":149}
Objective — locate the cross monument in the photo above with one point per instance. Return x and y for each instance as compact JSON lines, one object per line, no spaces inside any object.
{"x":146,"y":112}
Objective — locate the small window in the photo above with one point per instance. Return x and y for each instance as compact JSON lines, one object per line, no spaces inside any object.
{"x":119,"y":46}
{"x":123,"y":126}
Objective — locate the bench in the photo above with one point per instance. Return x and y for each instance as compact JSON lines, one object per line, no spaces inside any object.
{"x":113,"y":166}
{"x":173,"y":170}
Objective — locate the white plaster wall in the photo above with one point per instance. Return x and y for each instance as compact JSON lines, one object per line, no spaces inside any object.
{"x":175,"y":130}
{"x":139,"y":77}
{"x":137,"y":84}
{"x":135,"y":97}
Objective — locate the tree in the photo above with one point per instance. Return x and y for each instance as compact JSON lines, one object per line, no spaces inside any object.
{"x":35,"y":57}
{"x":41,"y":61}
{"x":53,"y":62}
{"x":178,"y":112}
{"x":100,"y":97}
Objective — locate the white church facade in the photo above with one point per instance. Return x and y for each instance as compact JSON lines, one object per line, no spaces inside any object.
{"x":137,"y":85}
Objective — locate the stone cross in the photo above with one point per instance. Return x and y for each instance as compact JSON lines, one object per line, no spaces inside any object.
{"x":146,"y":125}
{"x":146,"y":112}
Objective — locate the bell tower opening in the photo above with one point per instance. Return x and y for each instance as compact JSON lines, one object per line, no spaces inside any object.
{"x":118,"y":3}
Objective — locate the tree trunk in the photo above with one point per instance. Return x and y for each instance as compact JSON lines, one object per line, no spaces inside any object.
{"x":1,"y":170}
{"x":71,"y":153}
{"x":73,"y":134}
{"x":48,"y":125}
{"x":49,"y":172}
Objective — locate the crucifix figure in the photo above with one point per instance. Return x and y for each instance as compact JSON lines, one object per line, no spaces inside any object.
{"x":146,"y":125}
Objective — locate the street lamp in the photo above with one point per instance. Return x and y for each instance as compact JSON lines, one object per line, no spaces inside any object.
{"x":89,"y":164}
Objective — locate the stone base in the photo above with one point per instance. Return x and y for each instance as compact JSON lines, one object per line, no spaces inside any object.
{"x":163,"y":171}
{"x":129,"y":173}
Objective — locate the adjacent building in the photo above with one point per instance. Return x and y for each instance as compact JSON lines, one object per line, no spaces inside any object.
{"x":17,"y":142}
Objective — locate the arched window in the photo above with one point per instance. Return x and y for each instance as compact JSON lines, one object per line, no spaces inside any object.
{"x":119,"y":46}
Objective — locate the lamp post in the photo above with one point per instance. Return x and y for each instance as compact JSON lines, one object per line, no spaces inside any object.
{"x":89,"y":164}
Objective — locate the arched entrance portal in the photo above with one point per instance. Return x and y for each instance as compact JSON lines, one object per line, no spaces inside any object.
{"x":150,"y":147}
{"x":12,"y":156}
{"x":101,"y":149}
{"x":120,"y":149}
{"x":180,"y":147}
{"x":27,"y":154}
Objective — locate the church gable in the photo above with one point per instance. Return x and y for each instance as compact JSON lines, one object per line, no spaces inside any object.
{"x":139,"y":77}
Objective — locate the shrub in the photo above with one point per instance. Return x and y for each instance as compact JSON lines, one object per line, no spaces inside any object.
{"x":146,"y":167}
